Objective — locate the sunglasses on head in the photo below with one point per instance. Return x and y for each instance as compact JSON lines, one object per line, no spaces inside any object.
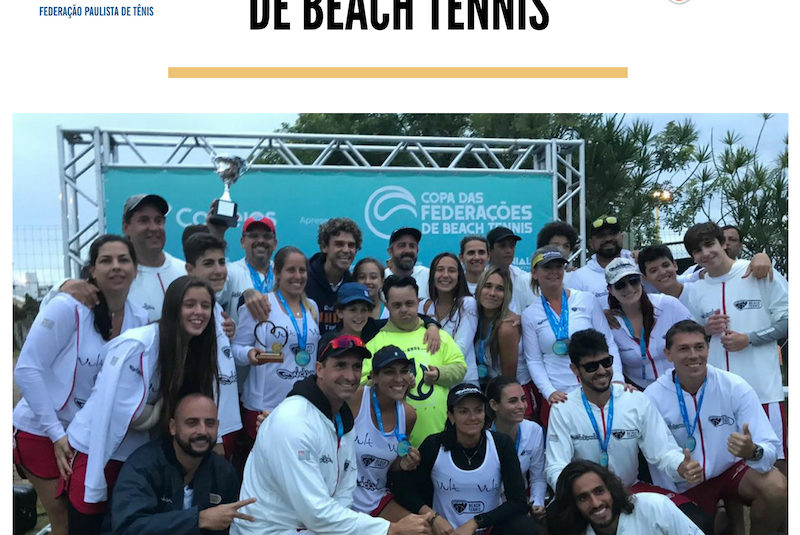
{"x":632,"y":280}
{"x":345,"y":341}
{"x":611,"y":220}
{"x":592,"y":366}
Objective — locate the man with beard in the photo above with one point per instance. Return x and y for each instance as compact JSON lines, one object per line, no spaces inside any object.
{"x":604,"y":423}
{"x":403,"y":253}
{"x":176,"y":484}
{"x":252,"y":277}
{"x":502,"y":246}
{"x":339,"y":239}
{"x":590,"y":500}
{"x":605,"y":239}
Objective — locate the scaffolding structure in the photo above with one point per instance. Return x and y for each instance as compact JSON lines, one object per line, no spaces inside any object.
{"x":86,"y":154}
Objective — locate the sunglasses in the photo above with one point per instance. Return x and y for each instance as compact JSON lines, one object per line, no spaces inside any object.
{"x":611,"y":220}
{"x":592,"y":366}
{"x":634,"y":281}
{"x":345,"y":341}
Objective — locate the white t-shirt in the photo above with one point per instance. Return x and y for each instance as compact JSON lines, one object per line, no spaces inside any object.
{"x":653,"y":514}
{"x":461,"y":326}
{"x":549,"y":371}
{"x":151,"y":283}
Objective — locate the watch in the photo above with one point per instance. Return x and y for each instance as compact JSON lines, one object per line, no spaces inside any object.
{"x":758,"y":453}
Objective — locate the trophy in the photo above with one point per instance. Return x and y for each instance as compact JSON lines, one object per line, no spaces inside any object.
{"x":224,"y":210}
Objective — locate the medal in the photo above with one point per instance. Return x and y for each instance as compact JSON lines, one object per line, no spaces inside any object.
{"x":403,"y":447}
{"x":483,"y":371}
{"x":560,"y":347}
{"x":604,"y":459}
{"x":277,"y":347}
{"x":691,"y":443}
{"x":604,"y":439}
{"x":302,"y":358}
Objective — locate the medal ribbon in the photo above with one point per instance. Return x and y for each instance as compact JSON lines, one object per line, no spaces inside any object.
{"x":682,"y":405}
{"x":339,"y":426}
{"x":301,"y":339}
{"x":482,"y":344}
{"x":642,"y":347}
{"x":560,"y":326}
{"x":519,"y":435}
{"x":604,"y":440}
{"x":262,"y":285}
{"x":400,"y":437}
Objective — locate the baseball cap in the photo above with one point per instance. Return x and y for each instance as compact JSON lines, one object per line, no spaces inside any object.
{"x":405,"y":231}
{"x":461,"y":391}
{"x":388,"y":354}
{"x":620,"y":268}
{"x":135,"y":201}
{"x":500,"y":233}
{"x":351,"y":292}
{"x":547,"y":253}
{"x":337,"y":346}
{"x":603,"y":222}
{"x":250,"y":221}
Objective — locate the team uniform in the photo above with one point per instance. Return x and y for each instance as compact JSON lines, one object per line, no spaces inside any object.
{"x":267,"y":384}
{"x":530,"y":453}
{"x":151,"y":283}
{"x":242,"y":277}
{"x":754,"y":307}
{"x":55,"y":372}
{"x":375,"y":453}
{"x":550,"y":371}
{"x":643,"y":369}
{"x":430,"y":401}
{"x":592,"y":278}
{"x":653,"y":513}
{"x":636,"y":426}
{"x":461,"y":326}
{"x":728,"y":402}
{"x":420,"y":274}
{"x":230,"y":419}
{"x":303,"y":471}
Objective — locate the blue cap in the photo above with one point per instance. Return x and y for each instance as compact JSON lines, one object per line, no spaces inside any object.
{"x":350,"y":292}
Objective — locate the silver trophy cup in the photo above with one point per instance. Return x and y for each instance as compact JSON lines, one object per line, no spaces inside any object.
{"x":224,"y":211}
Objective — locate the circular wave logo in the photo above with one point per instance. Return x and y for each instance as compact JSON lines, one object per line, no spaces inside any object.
{"x":383,"y":204}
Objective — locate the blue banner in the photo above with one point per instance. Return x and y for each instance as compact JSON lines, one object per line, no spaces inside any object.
{"x":445,"y":206}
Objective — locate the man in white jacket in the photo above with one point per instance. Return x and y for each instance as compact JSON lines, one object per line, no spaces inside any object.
{"x":716,"y":415}
{"x":303,"y":467}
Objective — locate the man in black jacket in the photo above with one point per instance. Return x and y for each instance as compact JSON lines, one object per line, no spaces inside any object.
{"x":177,"y":485}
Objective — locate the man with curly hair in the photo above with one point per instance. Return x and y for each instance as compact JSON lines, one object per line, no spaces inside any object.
{"x":339,"y":239}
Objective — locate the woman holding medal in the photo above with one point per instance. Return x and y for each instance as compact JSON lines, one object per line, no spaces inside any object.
{"x":281,"y":350}
{"x":548,"y":323}
{"x":643,"y":321}
{"x":468,"y":476}
{"x":383,"y":421}
{"x":508,"y":403}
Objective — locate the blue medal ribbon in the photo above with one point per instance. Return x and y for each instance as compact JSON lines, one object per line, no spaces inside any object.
{"x":642,"y":346}
{"x":519,"y":435}
{"x":604,"y":440}
{"x":262,"y":285}
{"x":559,"y":326}
{"x":339,"y":426}
{"x":302,"y":339}
{"x":397,"y":434}
{"x":685,"y":414}
{"x":481,"y":353}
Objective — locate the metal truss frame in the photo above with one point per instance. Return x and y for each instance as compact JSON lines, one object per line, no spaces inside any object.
{"x":85,"y":154}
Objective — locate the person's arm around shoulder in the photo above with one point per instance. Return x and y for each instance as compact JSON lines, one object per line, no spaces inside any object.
{"x":509,"y":335}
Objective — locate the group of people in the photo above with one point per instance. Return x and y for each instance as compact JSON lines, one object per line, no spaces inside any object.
{"x":458,"y":398}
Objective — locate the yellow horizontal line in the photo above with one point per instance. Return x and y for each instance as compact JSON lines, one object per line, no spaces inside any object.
{"x":398,"y":72}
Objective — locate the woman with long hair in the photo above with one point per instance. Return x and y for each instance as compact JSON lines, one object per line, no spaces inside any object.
{"x":468,"y":476}
{"x":452,"y":305}
{"x":383,"y":421}
{"x":642,"y":320}
{"x":370,"y":272}
{"x":145,"y":372}
{"x":58,"y":365}
{"x":507,"y":403}
{"x":283,"y":349}
{"x":548,"y":323}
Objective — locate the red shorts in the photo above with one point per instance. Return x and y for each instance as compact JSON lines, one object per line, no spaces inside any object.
{"x":75,"y":486}
{"x":776,"y":414}
{"x":544,"y":414}
{"x":229,"y":442}
{"x":249,"y":422}
{"x":532,"y":397}
{"x":36,"y":455}
{"x":641,"y":486}
{"x":725,"y":485}
{"x":382,"y":504}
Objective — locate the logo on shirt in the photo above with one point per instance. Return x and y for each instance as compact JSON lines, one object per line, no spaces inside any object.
{"x":367,"y":484}
{"x":227,"y":379}
{"x":422,"y":391}
{"x":79,"y":402}
{"x":747,"y":304}
{"x":292,"y":375}
{"x":135,"y":369}
{"x":375,"y":462}
{"x":325,"y":460}
{"x":226,"y":351}
{"x":722,"y":419}
{"x":626,"y":434}
{"x":471,"y":507}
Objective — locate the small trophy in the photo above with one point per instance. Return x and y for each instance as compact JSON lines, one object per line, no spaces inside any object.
{"x":224,"y":210}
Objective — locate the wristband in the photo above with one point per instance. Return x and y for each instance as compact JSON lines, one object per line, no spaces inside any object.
{"x":435,"y":516}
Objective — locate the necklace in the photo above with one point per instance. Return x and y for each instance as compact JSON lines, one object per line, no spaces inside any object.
{"x":467,"y":455}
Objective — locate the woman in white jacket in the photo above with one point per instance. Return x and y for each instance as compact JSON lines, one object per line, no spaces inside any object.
{"x":144,"y":374}
{"x":58,"y":366}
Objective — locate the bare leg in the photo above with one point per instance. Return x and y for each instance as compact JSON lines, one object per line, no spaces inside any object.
{"x":393,"y":511}
{"x":735,"y":512}
{"x":767,"y":495}
{"x":56,"y":508}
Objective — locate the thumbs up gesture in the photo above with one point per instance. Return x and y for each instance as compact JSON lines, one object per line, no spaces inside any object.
{"x":741,"y":444}
{"x":689,"y":469}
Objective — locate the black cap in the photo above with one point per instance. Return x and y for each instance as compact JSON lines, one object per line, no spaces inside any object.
{"x":135,"y":201}
{"x":405,"y":231}
{"x":500,"y":233}
{"x":461,"y":391}
{"x":605,"y":221}
{"x":388,"y":354}
{"x":336,"y":346}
